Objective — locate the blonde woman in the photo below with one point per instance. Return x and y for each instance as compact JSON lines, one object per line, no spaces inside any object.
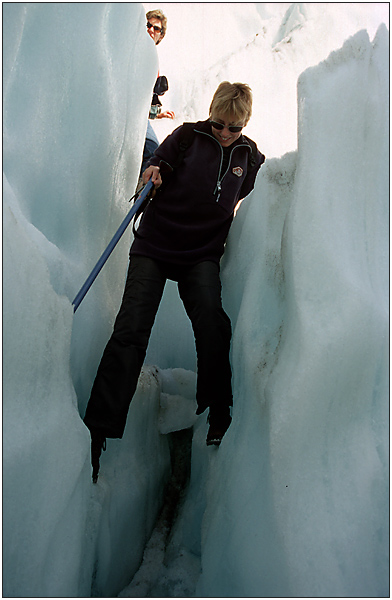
{"x":206,"y":169}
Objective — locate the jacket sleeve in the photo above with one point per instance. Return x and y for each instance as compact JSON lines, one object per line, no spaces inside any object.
{"x":249,"y":181}
{"x":167,"y":151}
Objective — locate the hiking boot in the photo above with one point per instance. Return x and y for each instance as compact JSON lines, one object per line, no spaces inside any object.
{"x":218,"y":427}
{"x":98,"y":443}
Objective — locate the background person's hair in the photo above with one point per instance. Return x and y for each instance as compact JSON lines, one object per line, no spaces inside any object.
{"x":158,"y":14}
{"x":232,"y":99}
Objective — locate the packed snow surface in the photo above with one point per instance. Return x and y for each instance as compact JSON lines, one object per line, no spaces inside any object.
{"x":295,"y":500}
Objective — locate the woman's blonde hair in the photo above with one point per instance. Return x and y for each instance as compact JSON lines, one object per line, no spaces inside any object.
{"x":158,"y":14}
{"x":232,"y":99}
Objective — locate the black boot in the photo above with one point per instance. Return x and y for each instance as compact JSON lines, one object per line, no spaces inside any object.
{"x":98,"y":443}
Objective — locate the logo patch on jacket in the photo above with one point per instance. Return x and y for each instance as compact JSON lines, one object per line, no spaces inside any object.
{"x":237,"y":171}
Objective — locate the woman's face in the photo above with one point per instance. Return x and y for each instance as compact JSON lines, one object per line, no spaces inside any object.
{"x":224,"y":136}
{"x":154,"y":33}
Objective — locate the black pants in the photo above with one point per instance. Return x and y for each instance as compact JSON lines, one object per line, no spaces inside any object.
{"x":116,"y":380}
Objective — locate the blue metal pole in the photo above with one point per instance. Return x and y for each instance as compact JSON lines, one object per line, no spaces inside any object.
{"x":105,"y":255}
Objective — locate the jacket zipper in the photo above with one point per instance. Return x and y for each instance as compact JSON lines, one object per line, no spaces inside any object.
{"x":218,"y":187}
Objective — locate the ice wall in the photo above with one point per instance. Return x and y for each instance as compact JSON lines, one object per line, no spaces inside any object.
{"x":76,"y":96}
{"x":45,"y":446}
{"x":74,"y":88}
{"x":307,"y":457}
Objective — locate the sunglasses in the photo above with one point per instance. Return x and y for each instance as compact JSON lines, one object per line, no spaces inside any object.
{"x":231,"y":128}
{"x":155,"y":27}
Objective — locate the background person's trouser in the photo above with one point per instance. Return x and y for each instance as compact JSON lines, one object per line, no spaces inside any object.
{"x":150,"y":145}
{"x":148,"y":152}
{"x":116,"y":380}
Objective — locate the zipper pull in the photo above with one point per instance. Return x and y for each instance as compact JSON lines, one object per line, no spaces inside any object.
{"x":218,"y":189}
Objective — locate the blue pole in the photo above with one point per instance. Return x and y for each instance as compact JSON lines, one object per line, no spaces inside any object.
{"x":106,"y":253}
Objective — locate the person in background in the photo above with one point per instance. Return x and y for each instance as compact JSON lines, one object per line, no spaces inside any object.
{"x":181,"y":237}
{"x":156,"y":28}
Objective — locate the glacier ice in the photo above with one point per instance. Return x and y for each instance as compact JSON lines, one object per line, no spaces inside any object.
{"x":308,"y":380}
{"x":295,"y":501}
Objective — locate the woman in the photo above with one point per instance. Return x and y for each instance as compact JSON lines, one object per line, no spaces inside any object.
{"x":181,"y":237}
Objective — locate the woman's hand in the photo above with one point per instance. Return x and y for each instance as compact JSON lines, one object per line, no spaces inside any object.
{"x":154,"y":174}
{"x":167,"y":114}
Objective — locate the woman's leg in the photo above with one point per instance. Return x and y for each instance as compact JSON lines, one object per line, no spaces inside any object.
{"x":200,"y":291}
{"x":123,"y":357}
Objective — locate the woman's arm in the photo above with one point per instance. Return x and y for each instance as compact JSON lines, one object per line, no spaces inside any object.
{"x":249,"y":181}
{"x":169,"y":149}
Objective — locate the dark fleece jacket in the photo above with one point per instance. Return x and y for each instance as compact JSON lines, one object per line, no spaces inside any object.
{"x":189,"y":218}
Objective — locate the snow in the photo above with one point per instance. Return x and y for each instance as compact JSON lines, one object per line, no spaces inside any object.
{"x":295,"y":500}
